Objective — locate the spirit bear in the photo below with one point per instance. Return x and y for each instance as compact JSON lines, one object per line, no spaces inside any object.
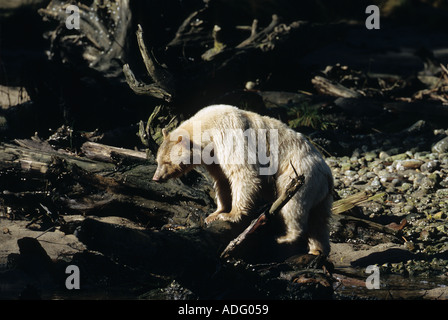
{"x":251,"y":157}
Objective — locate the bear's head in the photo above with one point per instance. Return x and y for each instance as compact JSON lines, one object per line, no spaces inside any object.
{"x":173,"y":156}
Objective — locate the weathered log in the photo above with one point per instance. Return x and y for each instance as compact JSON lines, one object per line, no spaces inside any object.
{"x":81,"y":185}
{"x":104,"y":153}
{"x":327,"y":87}
{"x":36,"y":157}
{"x":433,"y":109}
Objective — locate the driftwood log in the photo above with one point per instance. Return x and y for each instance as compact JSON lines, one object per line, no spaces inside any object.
{"x":327,"y":87}
{"x":103,"y":182}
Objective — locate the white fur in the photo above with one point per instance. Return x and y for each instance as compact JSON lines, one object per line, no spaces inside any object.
{"x":306,"y":214}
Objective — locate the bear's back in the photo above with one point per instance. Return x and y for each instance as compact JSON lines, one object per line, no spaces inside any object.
{"x":229,"y":117}
{"x":222,"y":117}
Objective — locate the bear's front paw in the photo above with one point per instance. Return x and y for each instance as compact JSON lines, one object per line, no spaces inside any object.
{"x":212,"y":217}
{"x":231,"y":216}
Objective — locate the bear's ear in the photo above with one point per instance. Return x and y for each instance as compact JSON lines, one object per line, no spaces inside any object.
{"x":165,"y":133}
{"x":184,"y":141}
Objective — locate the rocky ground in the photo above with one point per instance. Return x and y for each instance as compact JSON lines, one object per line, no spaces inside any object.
{"x":412,"y":172}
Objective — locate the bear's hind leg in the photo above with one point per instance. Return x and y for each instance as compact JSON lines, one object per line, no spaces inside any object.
{"x":294,"y":218}
{"x":318,"y":233}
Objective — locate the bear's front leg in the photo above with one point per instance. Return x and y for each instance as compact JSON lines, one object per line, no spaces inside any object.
{"x":244,"y":185}
{"x":223,"y":193}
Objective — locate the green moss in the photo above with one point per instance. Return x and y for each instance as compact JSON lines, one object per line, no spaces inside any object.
{"x":305,"y":115}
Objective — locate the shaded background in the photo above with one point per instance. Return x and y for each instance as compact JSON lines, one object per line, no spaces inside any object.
{"x":47,"y":62}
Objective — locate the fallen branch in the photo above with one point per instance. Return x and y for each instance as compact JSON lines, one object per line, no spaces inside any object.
{"x":141,"y":88}
{"x":342,"y":206}
{"x":377,"y":226}
{"x":348,"y":203}
{"x":162,"y":87}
